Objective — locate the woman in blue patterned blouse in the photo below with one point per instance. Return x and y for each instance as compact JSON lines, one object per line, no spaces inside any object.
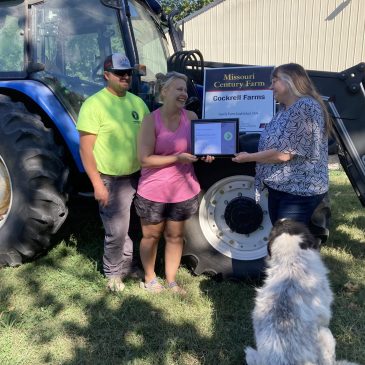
{"x":292,"y":157}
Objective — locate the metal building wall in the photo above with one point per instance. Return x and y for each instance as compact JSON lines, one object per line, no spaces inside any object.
{"x":319,"y":34}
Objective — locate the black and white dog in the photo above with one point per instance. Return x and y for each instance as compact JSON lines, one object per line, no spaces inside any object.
{"x":293,"y":307}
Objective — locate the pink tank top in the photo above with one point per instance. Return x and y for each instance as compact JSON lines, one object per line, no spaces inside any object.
{"x":174,"y":183}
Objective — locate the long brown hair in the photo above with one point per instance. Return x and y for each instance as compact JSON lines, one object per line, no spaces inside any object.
{"x":301,"y":85}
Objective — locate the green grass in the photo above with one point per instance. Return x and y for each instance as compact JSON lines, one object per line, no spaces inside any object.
{"x":56,"y":311}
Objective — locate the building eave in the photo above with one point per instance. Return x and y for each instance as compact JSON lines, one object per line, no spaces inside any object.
{"x":200,"y":11}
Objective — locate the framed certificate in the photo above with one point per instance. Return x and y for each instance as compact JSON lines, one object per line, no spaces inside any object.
{"x":215,"y":137}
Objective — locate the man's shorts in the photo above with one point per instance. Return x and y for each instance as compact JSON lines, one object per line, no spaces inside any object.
{"x":156,"y":212}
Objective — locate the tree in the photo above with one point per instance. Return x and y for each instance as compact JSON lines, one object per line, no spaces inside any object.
{"x":185,"y":7}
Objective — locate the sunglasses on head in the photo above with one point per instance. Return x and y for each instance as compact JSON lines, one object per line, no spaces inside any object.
{"x":121,"y":72}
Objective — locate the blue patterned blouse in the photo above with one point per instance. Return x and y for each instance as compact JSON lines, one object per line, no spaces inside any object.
{"x":300,"y":131}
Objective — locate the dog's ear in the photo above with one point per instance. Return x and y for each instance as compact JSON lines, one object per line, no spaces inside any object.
{"x":309,"y":242}
{"x":281,"y":226}
{"x":292,"y":228}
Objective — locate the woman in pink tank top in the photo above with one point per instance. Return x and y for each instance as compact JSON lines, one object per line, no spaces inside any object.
{"x":168,"y":189}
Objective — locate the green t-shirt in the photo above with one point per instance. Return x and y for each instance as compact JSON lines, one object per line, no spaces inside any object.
{"x":116,"y":122}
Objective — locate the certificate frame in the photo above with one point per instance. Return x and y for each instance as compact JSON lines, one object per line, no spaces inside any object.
{"x":214,"y":137}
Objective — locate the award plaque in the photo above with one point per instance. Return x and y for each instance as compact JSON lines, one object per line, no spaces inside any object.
{"x":215,"y":137}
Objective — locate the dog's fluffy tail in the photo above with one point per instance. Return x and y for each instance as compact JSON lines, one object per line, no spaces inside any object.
{"x":252,"y":356}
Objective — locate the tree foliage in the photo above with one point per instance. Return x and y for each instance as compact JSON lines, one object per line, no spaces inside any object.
{"x":185,"y":7}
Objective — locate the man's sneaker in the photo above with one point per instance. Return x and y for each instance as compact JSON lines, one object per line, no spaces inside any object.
{"x":115,"y":284}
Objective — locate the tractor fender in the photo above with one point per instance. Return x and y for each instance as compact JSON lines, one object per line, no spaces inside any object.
{"x":46,"y":100}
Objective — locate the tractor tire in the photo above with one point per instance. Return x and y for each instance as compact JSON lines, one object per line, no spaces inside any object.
{"x":32,"y":184}
{"x":228,"y":235}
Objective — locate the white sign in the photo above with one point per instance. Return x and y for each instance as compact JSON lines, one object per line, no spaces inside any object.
{"x":240,"y":92}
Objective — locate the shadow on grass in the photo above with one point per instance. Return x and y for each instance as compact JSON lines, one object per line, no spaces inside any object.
{"x":9,"y":316}
{"x":131,"y":330}
{"x":135,"y":331}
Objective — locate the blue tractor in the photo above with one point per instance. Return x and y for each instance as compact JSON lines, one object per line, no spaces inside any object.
{"x":51,"y":54}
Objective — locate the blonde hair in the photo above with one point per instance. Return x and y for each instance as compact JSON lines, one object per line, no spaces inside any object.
{"x":301,"y":85}
{"x":163,"y":81}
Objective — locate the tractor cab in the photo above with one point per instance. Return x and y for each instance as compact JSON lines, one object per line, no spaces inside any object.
{"x":67,"y":42}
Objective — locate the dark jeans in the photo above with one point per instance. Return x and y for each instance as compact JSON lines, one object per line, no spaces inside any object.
{"x":118,"y":247}
{"x":296,"y":207}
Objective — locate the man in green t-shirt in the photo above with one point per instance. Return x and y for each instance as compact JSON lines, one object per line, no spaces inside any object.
{"x":108,"y":124}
